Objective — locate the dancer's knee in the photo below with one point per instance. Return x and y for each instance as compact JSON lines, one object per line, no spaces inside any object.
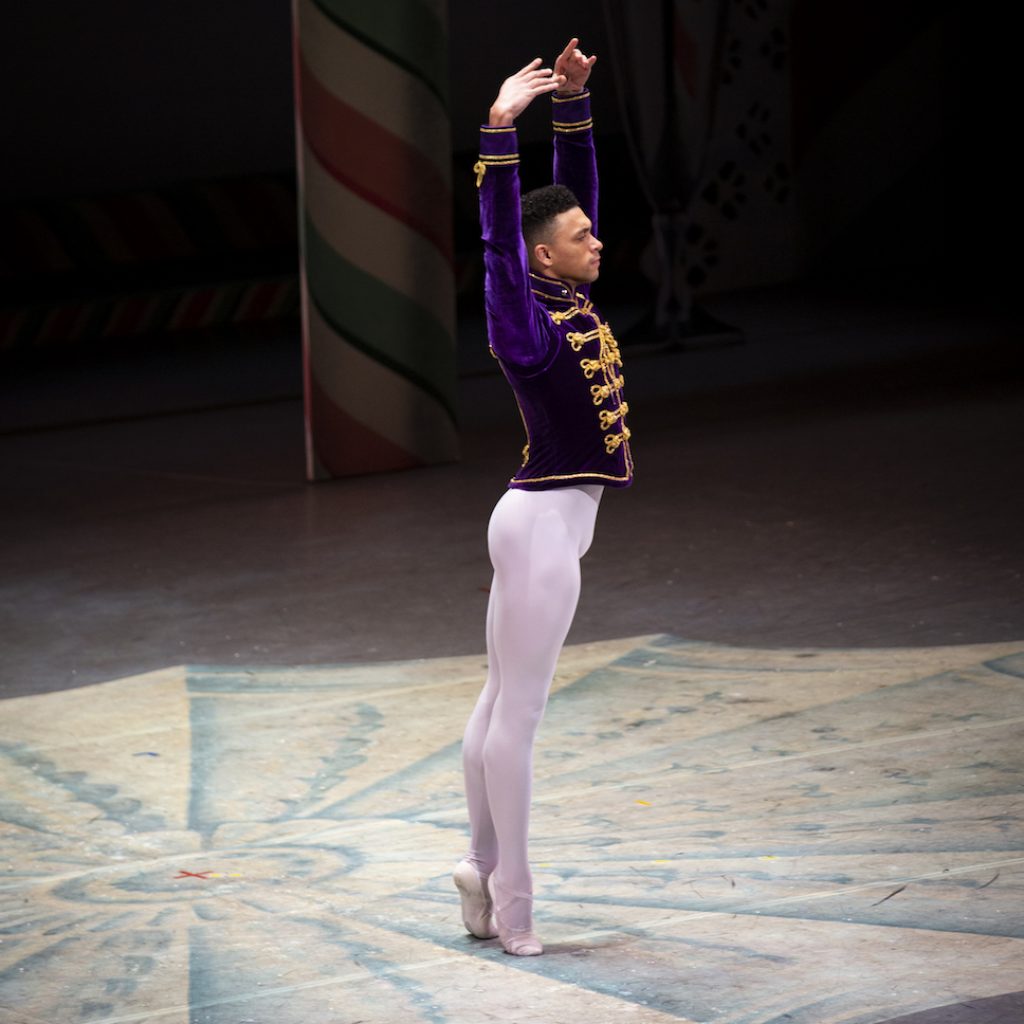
{"x":513,"y":728}
{"x":472,"y":758}
{"x":477,"y":727}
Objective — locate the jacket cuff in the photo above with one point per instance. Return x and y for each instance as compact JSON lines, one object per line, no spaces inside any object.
{"x":571,"y":113}
{"x":499,"y":147}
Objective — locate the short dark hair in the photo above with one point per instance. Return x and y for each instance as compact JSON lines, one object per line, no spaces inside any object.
{"x":541,"y":207}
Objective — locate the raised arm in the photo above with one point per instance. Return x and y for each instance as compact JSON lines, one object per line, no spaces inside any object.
{"x":575,"y":161}
{"x":513,"y":322}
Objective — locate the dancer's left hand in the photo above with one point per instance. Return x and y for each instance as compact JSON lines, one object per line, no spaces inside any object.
{"x":575,"y":65}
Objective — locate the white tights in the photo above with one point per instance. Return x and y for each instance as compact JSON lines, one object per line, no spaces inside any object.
{"x":536,"y":540}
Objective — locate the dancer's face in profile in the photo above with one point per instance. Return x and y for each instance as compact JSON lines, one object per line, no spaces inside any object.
{"x":571,"y":252}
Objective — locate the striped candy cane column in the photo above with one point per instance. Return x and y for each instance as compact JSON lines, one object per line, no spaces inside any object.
{"x":375,"y":216}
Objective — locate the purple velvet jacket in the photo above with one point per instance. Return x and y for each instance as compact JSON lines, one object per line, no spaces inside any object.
{"x":555,"y":350}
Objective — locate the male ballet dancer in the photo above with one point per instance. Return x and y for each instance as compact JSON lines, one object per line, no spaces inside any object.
{"x":541,"y":254}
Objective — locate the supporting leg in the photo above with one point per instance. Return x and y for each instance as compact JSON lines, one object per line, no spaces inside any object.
{"x":536,"y":540}
{"x":483,"y":845}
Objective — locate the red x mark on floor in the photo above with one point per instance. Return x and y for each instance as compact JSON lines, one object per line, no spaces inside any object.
{"x":193,"y":874}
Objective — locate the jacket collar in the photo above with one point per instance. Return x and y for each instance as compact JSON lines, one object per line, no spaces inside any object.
{"x":552,"y":291}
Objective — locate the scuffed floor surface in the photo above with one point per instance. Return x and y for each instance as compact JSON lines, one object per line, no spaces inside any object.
{"x":720,"y":834}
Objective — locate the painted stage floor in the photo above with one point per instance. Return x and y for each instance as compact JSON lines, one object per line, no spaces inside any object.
{"x":720,"y":834}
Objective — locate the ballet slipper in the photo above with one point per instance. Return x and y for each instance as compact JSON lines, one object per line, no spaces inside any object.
{"x":476,"y":901}
{"x":517,"y":941}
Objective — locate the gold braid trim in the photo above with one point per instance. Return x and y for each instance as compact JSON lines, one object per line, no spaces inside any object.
{"x":612,"y":441}
{"x":499,"y":160}
{"x":577,"y":339}
{"x":571,"y":97}
{"x":552,"y":298}
{"x":599,"y":392}
{"x":609,"y":355}
{"x":609,"y":346}
{"x":558,"y":315}
{"x":608,"y":417}
{"x":565,"y":314}
{"x":583,"y":126}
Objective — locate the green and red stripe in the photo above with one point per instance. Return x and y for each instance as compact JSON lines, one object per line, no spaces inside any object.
{"x":377,"y":257}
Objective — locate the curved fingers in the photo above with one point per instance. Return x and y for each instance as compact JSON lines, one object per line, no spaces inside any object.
{"x":532,"y":66}
{"x":570,"y":48}
{"x":550,"y":85}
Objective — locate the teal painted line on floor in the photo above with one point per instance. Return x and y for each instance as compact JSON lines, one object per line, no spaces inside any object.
{"x":1011,"y":665}
{"x":297,"y":679}
{"x":104,"y":797}
{"x":206,"y":752}
{"x":446,"y":756}
{"x":350,"y":751}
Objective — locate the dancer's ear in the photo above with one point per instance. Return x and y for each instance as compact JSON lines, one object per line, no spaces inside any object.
{"x":542,"y":255}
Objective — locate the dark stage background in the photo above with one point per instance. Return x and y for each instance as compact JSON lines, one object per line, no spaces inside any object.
{"x":846,"y":476}
{"x":859,"y":145}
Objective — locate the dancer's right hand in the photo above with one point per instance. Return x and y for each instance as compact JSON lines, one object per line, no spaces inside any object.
{"x":518,"y":91}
